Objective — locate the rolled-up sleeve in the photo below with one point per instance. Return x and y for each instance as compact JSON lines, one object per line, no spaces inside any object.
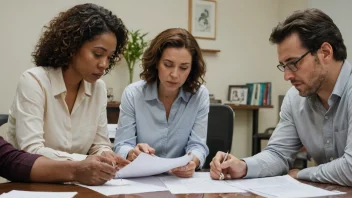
{"x":15,"y":165}
{"x":282,"y":148}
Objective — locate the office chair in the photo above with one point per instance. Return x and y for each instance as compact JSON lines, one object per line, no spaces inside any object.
{"x":3,"y":118}
{"x":220,"y":130}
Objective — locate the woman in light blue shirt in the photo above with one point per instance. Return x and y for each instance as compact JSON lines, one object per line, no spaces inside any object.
{"x":166,"y":113}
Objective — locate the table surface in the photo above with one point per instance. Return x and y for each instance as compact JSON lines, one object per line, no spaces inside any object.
{"x":84,"y":192}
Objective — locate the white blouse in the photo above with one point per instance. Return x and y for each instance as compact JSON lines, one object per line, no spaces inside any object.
{"x":40,"y":122}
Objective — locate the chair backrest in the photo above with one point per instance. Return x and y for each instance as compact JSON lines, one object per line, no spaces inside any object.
{"x":220,"y":130}
{"x":3,"y":118}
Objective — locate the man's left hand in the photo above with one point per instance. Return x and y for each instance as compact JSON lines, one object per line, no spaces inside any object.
{"x":293,"y":173}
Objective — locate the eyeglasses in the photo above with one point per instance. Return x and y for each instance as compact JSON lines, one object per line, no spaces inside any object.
{"x":291,"y":65}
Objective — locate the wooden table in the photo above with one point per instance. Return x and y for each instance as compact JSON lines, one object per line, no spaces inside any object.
{"x":84,"y":192}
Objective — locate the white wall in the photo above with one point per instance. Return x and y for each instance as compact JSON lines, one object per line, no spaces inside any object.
{"x":243,"y":29}
{"x":340,"y":12}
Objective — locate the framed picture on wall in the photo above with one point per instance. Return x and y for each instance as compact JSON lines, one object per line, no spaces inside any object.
{"x":202,"y":18}
{"x":238,"y":94}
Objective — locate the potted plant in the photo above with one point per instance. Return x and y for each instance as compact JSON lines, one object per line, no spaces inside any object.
{"x":134,"y":50}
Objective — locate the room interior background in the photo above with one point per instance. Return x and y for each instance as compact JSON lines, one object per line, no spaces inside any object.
{"x":242,"y":32}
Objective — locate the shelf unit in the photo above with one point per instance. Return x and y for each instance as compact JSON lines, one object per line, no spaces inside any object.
{"x":210,"y":50}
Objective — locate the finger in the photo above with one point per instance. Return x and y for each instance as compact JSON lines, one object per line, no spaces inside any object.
{"x":120,"y":160}
{"x":214,"y":175}
{"x":218,"y":159}
{"x":215,"y":172}
{"x":144,"y":148}
{"x":228,"y":176}
{"x":151,"y":150}
{"x":105,"y":159}
{"x":107,"y":169}
{"x":136,"y":150}
{"x":105,"y":176}
{"x":227,"y":164}
{"x":183,"y":174}
{"x":99,"y":182}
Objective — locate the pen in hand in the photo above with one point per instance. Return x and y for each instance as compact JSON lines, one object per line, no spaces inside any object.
{"x":117,"y":174}
{"x":222,"y":176}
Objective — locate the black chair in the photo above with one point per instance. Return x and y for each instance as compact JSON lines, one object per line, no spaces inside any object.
{"x":3,"y":118}
{"x":220,"y":130}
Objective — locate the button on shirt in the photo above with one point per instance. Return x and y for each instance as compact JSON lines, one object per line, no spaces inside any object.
{"x":143,"y":120}
{"x":324,"y":133}
{"x":39,"y":120}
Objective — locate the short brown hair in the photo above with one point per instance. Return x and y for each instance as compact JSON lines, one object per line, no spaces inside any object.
{"x":314,"y":27}
{"x":178,"y":38}
{"x":67,"y":32}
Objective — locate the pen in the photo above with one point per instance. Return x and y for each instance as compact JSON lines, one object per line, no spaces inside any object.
{"x":221,"y":177}
{"x":113,"y":165}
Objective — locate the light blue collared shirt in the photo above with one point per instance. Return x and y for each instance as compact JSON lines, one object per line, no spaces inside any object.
{"x":142,"y":119}
{"x":326,"y":134}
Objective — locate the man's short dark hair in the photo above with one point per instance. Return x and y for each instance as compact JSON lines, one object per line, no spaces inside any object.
{"x":314,"y":27}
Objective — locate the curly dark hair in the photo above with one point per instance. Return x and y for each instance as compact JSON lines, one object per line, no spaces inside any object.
{"x":66,"y":33}
{"x":178,"y":38}
{"x":314,"y":27}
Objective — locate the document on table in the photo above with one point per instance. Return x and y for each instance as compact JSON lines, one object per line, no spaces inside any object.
{"x":112,"y":130}
{"x":199,"y":183}
{"x":32,"y":194}
{"x":280,"y":186}
{"x":147,"y":165}
{"x":129,"y":186}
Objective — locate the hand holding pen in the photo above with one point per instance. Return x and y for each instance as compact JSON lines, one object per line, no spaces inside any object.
{"x":221,"y":177}
{"x":227,"y":166}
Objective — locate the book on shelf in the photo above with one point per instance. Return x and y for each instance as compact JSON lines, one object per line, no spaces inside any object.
{"x":259,"y":93}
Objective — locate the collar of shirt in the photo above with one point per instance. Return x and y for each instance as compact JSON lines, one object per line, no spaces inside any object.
{"x":58,"y":84}
{"x":151,"y":92}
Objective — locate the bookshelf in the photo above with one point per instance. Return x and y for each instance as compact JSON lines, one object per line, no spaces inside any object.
{"x":248,"y":107}
{"x":255,"y":119}
{"x":210,"y":50}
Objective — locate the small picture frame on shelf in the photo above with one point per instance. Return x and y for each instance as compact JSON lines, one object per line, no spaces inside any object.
{"x":238,"y":94}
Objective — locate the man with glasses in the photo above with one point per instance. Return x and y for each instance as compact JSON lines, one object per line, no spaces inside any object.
{"x":316,"y":112}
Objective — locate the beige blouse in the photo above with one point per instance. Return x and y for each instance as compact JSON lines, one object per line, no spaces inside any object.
{"x":40,"y":122}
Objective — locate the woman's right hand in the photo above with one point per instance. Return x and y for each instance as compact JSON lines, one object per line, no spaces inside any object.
{"x":141,"y":147}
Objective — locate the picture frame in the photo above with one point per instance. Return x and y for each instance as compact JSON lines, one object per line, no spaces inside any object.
{"x":202,"y":18}
{"x":238,"y":94}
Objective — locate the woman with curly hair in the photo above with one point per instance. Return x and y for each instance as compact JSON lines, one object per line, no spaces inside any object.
{"x":59,"y":110}
{"x":166,"y":113}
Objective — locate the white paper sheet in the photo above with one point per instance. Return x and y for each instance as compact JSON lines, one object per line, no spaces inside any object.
{"x":147,"y":165}
{"x":129,"y":186}
{"x":32,"y":194}
{"x":280,"y":186}
{"x":199,"y":183}
{"x":112,"y":130}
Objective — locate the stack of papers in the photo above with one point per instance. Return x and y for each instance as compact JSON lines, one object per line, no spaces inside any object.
{"x":147,"y":165}
{"x":31,"y":194}
{"x":199,"y":183}
{"x":129,"y":186}
{"x":280,"y":186}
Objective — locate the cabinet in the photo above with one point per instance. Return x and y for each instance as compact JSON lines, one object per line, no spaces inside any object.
{"x":113,"y":111}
